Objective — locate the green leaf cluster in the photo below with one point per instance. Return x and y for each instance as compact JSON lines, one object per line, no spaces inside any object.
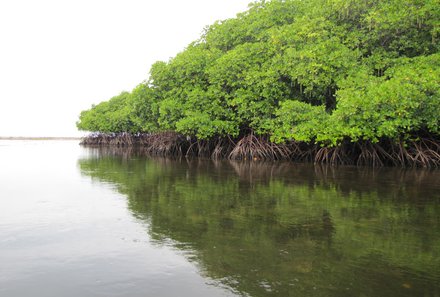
{"x":108,"y":116}
{"x":405,"y":100}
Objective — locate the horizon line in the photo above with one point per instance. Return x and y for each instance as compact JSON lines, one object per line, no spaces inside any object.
{"x":40,"y":137}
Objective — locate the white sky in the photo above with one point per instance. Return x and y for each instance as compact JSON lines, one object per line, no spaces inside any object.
{"x":57,"y":57}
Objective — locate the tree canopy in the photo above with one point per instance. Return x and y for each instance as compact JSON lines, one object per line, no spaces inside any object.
{"x":316,"y":71}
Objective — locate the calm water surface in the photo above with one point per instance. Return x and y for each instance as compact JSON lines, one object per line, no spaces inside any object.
{"x":90,"y":222}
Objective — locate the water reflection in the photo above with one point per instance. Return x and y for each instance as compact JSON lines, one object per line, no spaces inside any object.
{"x":285,"y":229}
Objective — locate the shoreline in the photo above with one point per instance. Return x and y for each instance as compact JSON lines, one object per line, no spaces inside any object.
{"x":424,"y":152}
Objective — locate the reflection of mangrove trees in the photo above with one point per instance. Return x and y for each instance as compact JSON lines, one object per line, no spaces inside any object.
{"x":279,"y":230}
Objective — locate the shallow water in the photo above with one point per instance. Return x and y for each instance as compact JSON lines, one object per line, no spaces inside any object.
{"x":90,"y":222}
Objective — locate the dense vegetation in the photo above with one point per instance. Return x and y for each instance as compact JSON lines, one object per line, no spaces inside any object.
{"x":341,"y":81}
{"x":280,"y":230}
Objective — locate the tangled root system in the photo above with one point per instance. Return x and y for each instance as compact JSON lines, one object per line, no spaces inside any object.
{"x":424,"y":152}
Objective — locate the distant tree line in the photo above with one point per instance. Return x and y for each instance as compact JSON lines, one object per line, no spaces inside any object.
{"x":340,"y":81}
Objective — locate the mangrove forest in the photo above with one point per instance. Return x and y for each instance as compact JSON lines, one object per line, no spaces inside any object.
{"x":328,"y":81}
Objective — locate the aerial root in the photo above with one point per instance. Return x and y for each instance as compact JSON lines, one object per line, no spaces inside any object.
{"x":166,"y":144}
{"x":334,"y":155}
{"x":251,"y":147}
{"x":424,"y":152}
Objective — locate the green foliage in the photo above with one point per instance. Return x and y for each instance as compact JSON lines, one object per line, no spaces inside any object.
{"x":246,"y":84}
{"x":108,"y":116}
{"x":320,"y":71}
{"x":298,"y":121}
{"x":251,"y":26}
{"x":405,"y":100}
{"x":144,"y":108}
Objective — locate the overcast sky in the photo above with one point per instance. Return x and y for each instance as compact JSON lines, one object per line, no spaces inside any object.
{"x":57,"y":57}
